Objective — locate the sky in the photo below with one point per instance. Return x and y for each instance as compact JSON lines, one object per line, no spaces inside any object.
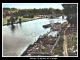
{"x":33,"y":5}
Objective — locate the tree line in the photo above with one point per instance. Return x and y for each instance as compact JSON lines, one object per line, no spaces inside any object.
{"x":30,"y":12}
{"x":70,"y":10}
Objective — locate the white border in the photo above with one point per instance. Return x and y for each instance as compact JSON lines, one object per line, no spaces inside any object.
{"x":41,"y":56}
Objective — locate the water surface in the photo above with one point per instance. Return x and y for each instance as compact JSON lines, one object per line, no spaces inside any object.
{"x":18,"y":37}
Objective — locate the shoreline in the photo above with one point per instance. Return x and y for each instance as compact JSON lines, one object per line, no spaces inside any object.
{"x":43,"y":46}
{"x":22,"y":21}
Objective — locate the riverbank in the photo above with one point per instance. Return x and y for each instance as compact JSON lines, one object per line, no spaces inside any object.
{"x":41,"y":46}
{"x":44,"y":44}
{"x":22,"y":19}
{"x":17,"y":21}
{"x":16,"y":41}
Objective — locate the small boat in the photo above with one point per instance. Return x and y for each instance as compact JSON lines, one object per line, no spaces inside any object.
{"x":46,"y":26}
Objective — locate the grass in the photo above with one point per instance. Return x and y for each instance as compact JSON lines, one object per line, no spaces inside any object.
{"x":25,"y":19}
{"x":22,"y":19}
{"x":72,"y":41}
{"x":5,"y":20}
{"x":58,"y":52}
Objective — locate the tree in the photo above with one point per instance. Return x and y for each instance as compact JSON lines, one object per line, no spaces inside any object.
{"x":34,"y":10}
{"x":6,"y":8}
{"x":71,"y":11}
{"x":30,"y":12}
{"x":13,"y":8}
{"x":69,"y":8}
{"x":20,"y":20}
{"x":72,"y":20}
{"x":50,"y":10}
{"x":57,"y":11}
{"x":21,"y":12}
{"x":12,"y":20}
{"x":16,"y":17}
{"x":8,"y":21}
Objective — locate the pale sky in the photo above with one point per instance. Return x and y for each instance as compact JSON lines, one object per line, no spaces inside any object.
{"x":33,"y":5}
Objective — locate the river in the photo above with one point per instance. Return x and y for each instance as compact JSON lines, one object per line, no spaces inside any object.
{"x":18,"y":37}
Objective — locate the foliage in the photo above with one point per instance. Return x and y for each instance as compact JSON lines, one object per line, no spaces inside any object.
{"x":57,"y":11}
{"x":71,"y":11}
{"x":58,"y":52}
{"x":72,"y":20}
{"x":72,"y":40}
{"x":16,"y":17}
{"x":31,"y":12}
{"x":20,"y":20}
{"x":69,"y":8}
{"x":12,"y":19}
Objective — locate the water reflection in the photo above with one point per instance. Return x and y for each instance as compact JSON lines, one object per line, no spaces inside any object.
{"x":20,"y":24}
{"x":12,"y":28}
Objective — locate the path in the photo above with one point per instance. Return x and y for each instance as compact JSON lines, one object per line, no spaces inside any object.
{"x":65,"y":43}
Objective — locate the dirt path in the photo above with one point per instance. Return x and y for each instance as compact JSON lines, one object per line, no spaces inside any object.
{"x":65,"y":43}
